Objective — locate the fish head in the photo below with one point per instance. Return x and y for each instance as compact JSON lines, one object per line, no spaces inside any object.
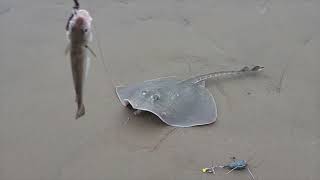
{"x":80,"y":30}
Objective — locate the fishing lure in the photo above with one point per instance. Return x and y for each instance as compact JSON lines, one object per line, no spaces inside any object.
{"x":234,"y":165}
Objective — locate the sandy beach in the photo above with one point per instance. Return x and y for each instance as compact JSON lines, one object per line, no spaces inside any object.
{"x":271,"y":119}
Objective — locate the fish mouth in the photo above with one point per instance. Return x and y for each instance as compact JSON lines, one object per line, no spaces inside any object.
{"x":81,"y":24}
{"x":81,"y":21}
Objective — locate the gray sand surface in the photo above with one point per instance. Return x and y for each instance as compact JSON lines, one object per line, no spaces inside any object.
{"x":271,"y":119}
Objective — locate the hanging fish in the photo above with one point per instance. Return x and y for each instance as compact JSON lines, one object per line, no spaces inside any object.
{"x":79,"y":34}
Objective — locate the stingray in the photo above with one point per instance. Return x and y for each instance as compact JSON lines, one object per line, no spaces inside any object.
{"x":179,"y":103}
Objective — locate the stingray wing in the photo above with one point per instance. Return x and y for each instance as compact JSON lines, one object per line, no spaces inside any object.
{"x":193,"y":106}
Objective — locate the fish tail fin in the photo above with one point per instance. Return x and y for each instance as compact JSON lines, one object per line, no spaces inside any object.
{"x":81,"y":111}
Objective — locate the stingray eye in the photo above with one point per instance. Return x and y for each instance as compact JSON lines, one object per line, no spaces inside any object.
{"x":155,"y":97}
{"x":144,"y":93}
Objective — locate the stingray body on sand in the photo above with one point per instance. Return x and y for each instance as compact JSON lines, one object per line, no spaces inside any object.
{"x":179,"y":103}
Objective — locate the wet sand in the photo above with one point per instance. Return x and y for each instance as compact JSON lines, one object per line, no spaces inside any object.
{"x":271,"y":119}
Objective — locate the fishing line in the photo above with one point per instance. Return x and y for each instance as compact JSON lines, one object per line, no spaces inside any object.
{"x":106,"y":65}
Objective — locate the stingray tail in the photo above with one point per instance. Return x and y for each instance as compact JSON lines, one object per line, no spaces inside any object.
{"x":223,"y":74}
{"x":81,"y":111}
